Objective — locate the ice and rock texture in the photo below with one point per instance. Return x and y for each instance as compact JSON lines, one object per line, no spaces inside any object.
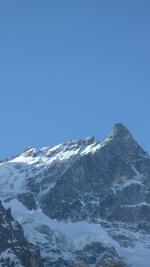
{"x":111,"y":183}
{"x":82,"y":203}
{"x":15,"y":251}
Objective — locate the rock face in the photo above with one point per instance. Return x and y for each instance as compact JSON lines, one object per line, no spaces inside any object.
{"x":99,"y":255}
{"x":14,"y":248}
{"x":110,"y":184}
{"x":82,"y":203}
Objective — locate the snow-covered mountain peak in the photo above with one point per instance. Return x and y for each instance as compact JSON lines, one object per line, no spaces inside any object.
{"x":16,"y":172}
{"x":86,"y":186}
{"x":31,"y":151}
{"x":59,"y":152}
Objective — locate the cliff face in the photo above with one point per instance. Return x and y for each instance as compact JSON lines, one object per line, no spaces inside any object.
{"x":82,"y":203}
{"x":14,"y":248}
{"x":111,"y":184}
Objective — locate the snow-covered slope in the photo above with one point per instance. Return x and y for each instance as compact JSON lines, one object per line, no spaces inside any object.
{"x":15,"y":173}
{"x":83,"y":199}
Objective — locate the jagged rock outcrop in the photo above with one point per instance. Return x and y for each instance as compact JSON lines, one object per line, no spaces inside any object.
{"x":99,"y":255}
{"x":15,"y":251}
{"x":111,"y":184}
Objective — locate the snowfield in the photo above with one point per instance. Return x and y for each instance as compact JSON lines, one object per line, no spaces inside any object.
{"x":76,"y":235}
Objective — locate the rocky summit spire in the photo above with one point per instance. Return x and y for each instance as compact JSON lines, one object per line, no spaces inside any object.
{"x":120,"y":131}
{"x":122,"y":141}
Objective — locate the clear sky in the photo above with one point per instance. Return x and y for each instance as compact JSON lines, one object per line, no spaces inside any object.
{"x":71,"y":69}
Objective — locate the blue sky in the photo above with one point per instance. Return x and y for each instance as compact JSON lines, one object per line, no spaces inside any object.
{"x":71,"y":69}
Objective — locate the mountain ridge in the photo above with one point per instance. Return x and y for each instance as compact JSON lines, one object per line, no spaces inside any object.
{"x":65,"y":194}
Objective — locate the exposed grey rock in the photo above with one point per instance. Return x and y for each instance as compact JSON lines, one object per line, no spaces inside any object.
{"x":89,"y":140}
{"x":82,"y":180}
{"x":110,"y":184}
{"x":15,"y":251}
{"x":28,"y":200}
{"x":99,"y":255}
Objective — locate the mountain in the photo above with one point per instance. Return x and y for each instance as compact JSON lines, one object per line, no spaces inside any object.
{"x":81,"y":203}
{"x":14,"y":248}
